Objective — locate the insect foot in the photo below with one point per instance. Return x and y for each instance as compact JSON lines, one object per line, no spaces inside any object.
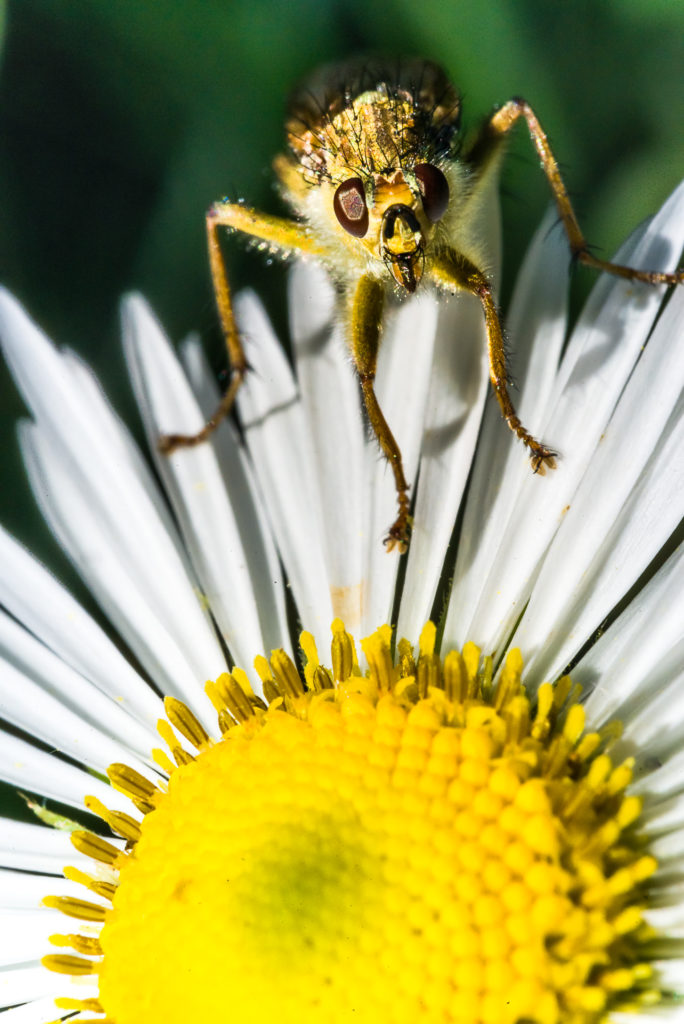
{"x":542,"y":458}
{"x":399,"y":533}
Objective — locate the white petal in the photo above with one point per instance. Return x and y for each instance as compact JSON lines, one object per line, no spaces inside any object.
{"x":31,"y":708}
{"x":108,"y":483}
{"x":53,"y":392}
{"x":34,"y":771}
{"x":630,"y":500}
{"x":35,"y":598}
{"x":654,"y":718}
{"x":193,"y":481}
{"x":38,"y":1011}
{"x":178,"y":653}
{"x":331,"y":404}
{"x":458,"y":386}
{"x":663,"y":786}
{"x":668,"y":850}
{"x":402,"y":383}
{"x":20,"y":890}
{"x":667,"y":917}
{"x":537,"y":326}
{"x":670,"y":974}
{"x":21,"y":650}
{"x":265,"y":569}
{"x":276,"y":435}
{"x":30,"y":981}
{"x":114,"y":433}
{"x":37,"y":848}
{"x":25,"y":934}
{"x":631,"y":671}
{"x":599,"y":360}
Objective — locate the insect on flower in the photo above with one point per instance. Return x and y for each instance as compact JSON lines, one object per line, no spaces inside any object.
{"x":386,"y":200}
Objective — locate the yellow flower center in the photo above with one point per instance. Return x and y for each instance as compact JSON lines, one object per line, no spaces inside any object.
{"x":416,"y":844}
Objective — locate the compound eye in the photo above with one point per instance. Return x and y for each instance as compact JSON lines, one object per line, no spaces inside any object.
{"x":350,"y":207}
{"x":434,"y":190}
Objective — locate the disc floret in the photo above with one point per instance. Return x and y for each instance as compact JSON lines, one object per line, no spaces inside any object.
{"x":420,"y":840}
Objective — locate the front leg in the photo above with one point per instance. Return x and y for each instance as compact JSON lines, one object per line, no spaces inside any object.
{"x":281,"y":236}
{"x":365,"y":323}
{"x":454,"y":272}
{"x":488,"y":146}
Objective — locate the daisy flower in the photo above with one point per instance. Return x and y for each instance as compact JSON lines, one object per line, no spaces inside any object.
{"x":378,"y":795}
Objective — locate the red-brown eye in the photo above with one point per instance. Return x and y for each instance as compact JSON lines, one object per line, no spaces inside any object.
{"x":434,"y":190}
{"x":350,"y":207}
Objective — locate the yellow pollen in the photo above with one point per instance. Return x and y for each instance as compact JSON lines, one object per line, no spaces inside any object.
{"x":419,"y":842}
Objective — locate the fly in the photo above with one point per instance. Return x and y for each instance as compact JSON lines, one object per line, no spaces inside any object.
{"x":385,"y":198}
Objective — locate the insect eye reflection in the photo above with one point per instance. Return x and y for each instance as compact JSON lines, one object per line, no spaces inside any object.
{"x":434,"y":190}
{"x":350,"y":207}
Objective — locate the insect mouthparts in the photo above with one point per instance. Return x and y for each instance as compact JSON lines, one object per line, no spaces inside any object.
{"x":408,"y":276}
{"x":399,"y":212}
{"x":402,"y":244}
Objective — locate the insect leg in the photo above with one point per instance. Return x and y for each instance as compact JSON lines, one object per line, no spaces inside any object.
{"x":454,"y":272}
{"x":281,"y":235}
{"x":496,"y":129}
{"x":366,"y":314}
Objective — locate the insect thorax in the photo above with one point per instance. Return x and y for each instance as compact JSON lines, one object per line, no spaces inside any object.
{"x":372,"y":119}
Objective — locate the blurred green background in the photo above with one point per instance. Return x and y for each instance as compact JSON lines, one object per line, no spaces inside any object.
{"x":120,"y":122}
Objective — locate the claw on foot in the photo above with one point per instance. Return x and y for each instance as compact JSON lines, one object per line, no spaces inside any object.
{"x":543,"y":458}
{"x":399,"y":535}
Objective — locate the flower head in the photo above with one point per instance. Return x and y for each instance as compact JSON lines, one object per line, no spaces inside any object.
{"x":386,"y":832}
